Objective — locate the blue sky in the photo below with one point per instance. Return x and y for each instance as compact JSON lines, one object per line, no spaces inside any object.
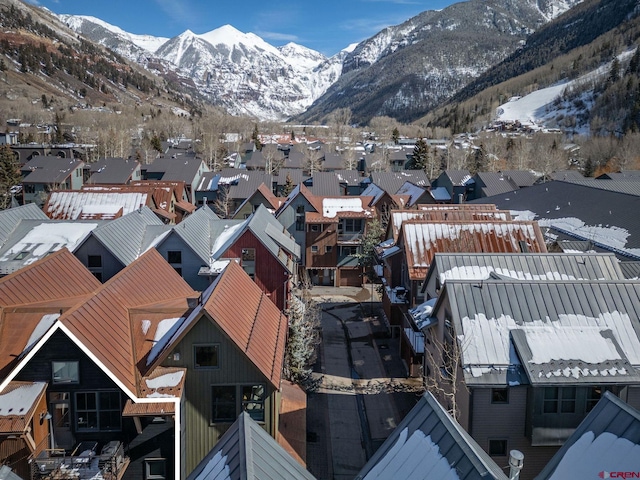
{"x":324,"y":25}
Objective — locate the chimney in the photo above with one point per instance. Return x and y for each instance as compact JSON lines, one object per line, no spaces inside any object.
{"x":460,"y":197}
{"x":516,"y":462}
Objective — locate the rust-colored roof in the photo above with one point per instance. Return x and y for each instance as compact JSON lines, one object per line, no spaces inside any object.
{"x":18,"y":402}
{"x":268,"y":195}
{"x":185,"y":206}
{"x":259,"y":329}
{"x":104,"y":324}
{"x":34,"y":296}
{"x":147,"y":409}
{"x":458,"y":206}
{"x":422,"y":240}
{"x":292,"y":431}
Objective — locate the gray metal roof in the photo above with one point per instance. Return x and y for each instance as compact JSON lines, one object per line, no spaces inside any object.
{"x":295,"y":174}
{"x":333,"y":161}
{"x":495,"y":183}
{"x":324,"y":184}
{"x":523,"y":266}
{"x":182,"y":168}
{"x":128,"y":237}
{"x":619,"y":186}
{"x":11,"y":217}
{"x":458,"y":177}
{"x":350,"y":177}
{"x":200,"y":229}
{"x":247,"y":452}
{"x":630,"y":270}
{"x":418,"y":444}
{"x":112,"y":171}
{"x":244,"y":183}
{"x":522,"y":178}
{"x":571,"y":332}
{"x":259,"y":157}
{"x":567,"y":175}
{"x":628,"y":175}
{"x":49,"y":169}
{"x":607,"y":440}
{"x":391,"y":182}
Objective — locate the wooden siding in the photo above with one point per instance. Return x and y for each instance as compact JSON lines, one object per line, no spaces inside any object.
{"x":326,"y":236}
{"x":234,"y":369}
{"x":507,"y":421}
{"x":270,"y":275}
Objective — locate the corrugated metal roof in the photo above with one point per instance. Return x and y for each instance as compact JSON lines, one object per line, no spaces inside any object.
{"x":524,"y":266}
{"x":429,"y":443}
{"x":69,"y":205}
{"x":619,"y":186}
{"x":571,"y":331}
{"x":522,"y":178}
{"x":128,"y":237}
{"x":182,"y":168}
{"x":295,"y":174}
{"x":422,"y":240}
{"x":247,"y":452}
{"x":105,"y":325}
{"x":112,"y":170}
{"x":630,"y":270}
{"x":259,"y":329}
{"x":567,"y":175}
{"x":200,"y":229}
{"x":350,"y":177}
{"x":324,"y":184}
{"x":49,"y":169}
{"x":458,"y":177}
{"x":10,"y":218}
{"x":495,"y":183}
{"x":603,"y":442}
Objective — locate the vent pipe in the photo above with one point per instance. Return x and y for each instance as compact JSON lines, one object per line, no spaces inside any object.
{"x":516,"y":462}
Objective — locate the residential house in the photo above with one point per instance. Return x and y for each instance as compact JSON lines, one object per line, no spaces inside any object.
{"x":525,"y":361}
{"x":415,"y":194}
{"x":522,"y":178}
{"x":598,"y":211}
{"x":264,"y":249}
{"x":400,"y":160}
{"x":324,"y":184}
{"x":329,"y":231}
{"x":247,"y":452}
{"x":488,"y":184}
{"x":262,"y":196}
{"x":88,"y":342}
{"x":455,"y":182}
{"x":391,"y":182}
{"x":43,"y":174}
{"x":605,"y":443}
{"x":350,"y":181}
{"x":429,"y":443}
{"x":113,"y":245}
{"x":234,"y":358}
{"x":269,"y":159}
{"x":95,"y":205}
{"x":294,"y":174}
{"x":32,"y":240}
{"x":181,"y":167}
{"x":112,"y":171}
{"x":30,"y":151}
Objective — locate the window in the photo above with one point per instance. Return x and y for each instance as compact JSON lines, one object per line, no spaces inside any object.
{"x":314,"y":249}
{"x":300,"y":218}
{"x":499,"y":395}
{"x":98,"y":410}
{"x":349,"y":250}
{"x":174,"y":256}
{"x":350,"y":225}
{"x":21,"y":256}
{"x":65,"y":372}
{"x":248,"y":255}
{"x":253,"y":401}
{"x":155,"y":468}
{"x":94,"y":261}
{"x":205,"y":356}
{"x":328,"y":249}
{"x":29,"y":188}
{"x":223,"y":403}
{"x":498,"y":447}
{"x":315,"y":228}
{"x":559,"y":400}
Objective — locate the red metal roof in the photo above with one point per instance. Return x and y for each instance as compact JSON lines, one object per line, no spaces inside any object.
{"x":259,"y":328}
{"x":104,"y":323}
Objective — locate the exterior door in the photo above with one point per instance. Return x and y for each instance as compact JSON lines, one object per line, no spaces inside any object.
{"x":59,"y":407}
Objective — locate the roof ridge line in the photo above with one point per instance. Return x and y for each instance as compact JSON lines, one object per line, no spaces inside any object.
{"x":255,"y":318}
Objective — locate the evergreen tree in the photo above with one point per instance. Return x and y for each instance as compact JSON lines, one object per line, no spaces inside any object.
{"x":395,"y":135}
{"x":255,"y":136}
{"x":9,"y":175}
{"x":156,"y":144}
{"x":371,"y":238}
{"x":288,"y":186}
{"x":477,"y":160}
{"x":420,"y":155}
{"x":614,"y":72}
{"x":293,"y":135}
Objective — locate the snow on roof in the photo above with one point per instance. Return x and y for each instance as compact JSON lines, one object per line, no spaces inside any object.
{"x":19,"y":400}
{"x":590,"y":455}
{"x":415,"y":456}
{"x":225,"y":236}
{"x":163,"y":334}
{"x":485,"y":342}
{"x":43,"y":326}
{"x":332,"y":206}
{"x":475,"y":272}
{"x":215,"y":468}
{"x":422,"y":313}
{"x":49,"y":237}
{"x":69,"y":205}
{"x":165,"y":381}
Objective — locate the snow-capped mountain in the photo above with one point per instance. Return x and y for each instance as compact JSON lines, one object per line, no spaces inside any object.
{"x":416,"y":63}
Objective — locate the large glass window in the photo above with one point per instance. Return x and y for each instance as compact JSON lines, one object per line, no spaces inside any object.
{"x":223,"y":403}
{"x":559,"y":400}
{"x":155,"y":468}
{"x":65,"y":372}
{"x":205,"y":356}
{"x":174,"y":256}
{"x":98,"y":410}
